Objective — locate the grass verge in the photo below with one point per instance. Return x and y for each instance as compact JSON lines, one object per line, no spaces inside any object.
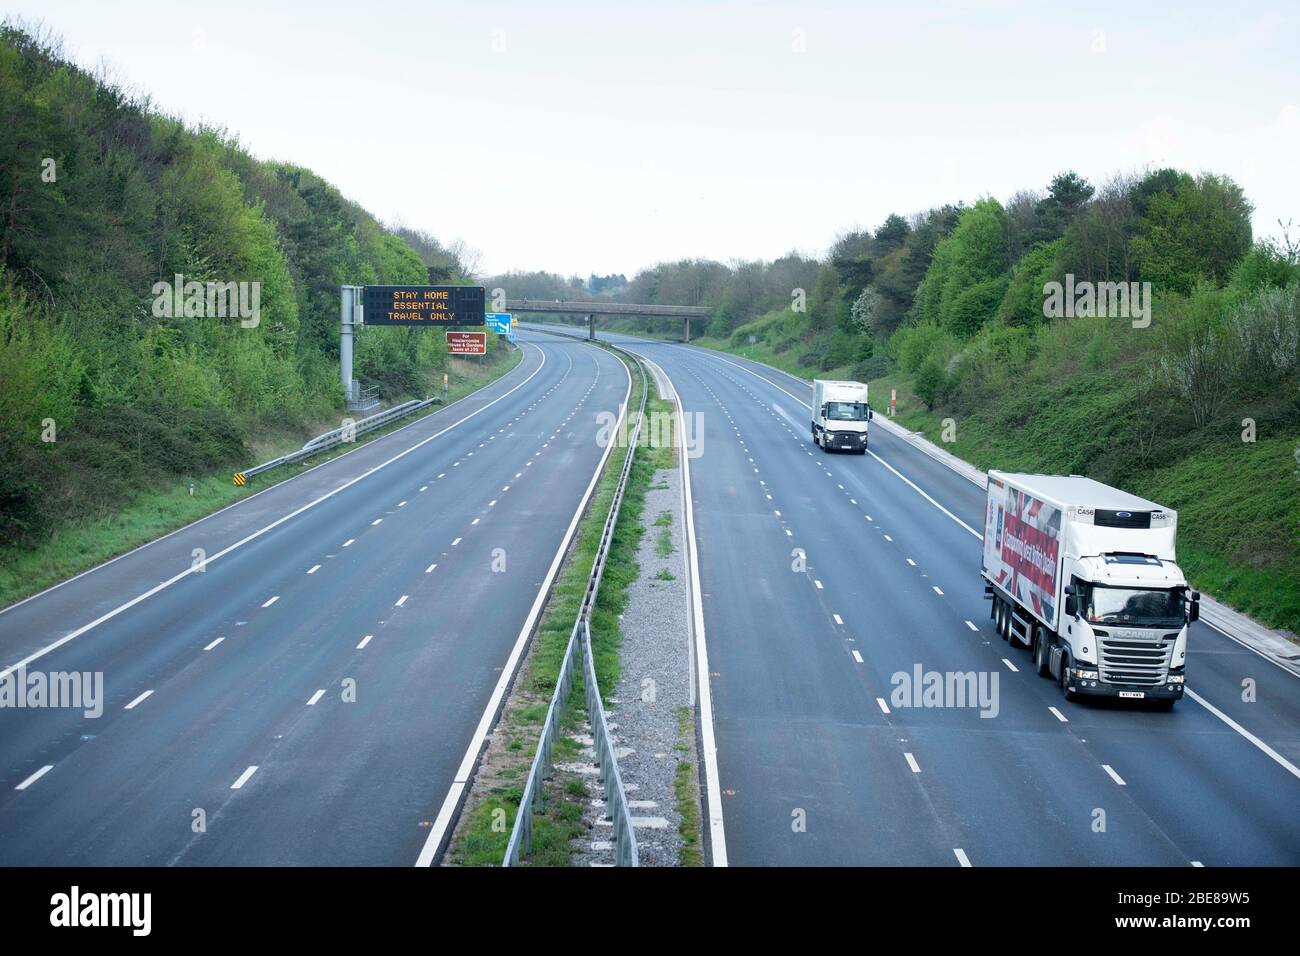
{"x":484,"y":830}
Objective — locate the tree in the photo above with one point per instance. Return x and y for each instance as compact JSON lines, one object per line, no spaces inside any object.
{"x":1198,"y":229}
{"x":930,"y":382}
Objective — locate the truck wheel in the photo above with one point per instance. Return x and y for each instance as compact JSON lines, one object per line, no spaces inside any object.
{"x":1041,"y":661}
{"x":1004,"y":622}
{"x":1065,"y":677}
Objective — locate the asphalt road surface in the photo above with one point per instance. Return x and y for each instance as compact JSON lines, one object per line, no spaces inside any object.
{"x":310,"y":695}
{"x":815,"y":766}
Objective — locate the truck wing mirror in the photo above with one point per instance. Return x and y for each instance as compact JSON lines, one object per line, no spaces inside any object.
{"x":870,"y":413}
{"x":1071,"y":605}
{"x":1194,"y":608}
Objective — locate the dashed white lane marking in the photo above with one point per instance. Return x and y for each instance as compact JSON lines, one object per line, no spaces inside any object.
{"x":819,"y":585}
{"x":401,"y":601}
{"x":139,"y":700}
{"x":401,"y":504}
{"x":430,"y":568}
{"x":315,"y":697}
{"x":962,"y":859}
{"x":375,"y":522}
{"x":936,"y":590}
{"x":34,"y":777}
{"x":911,"y":562}
{"x":971,"y":625}
{"x":838,"y":620}
{"x":1010,"y":666}
{"x":214,"y":644}
{"x":868,"y":517}
{"x":271,"y":601}
{"x":888,"y":538}
{"x":789,"y":533}
{"x":424,"y":487}
{"x":348,"y":543}
{"x":456,"y":542}
{"x":313,"y":569}
{"x":857,"y":657}
{"x":443,"y":475}
{"x":1058,"y":715}
{"x":777,"y":513}
{"x":1113,"y":775}
{"x":243,"y":777}
{"x":519,"y":474}
{"x":911,"y":762}
{"x":1197,"y":863}
{"x":364,"y":641}
{"x":492,"y":503}
{"x":476,"y":521}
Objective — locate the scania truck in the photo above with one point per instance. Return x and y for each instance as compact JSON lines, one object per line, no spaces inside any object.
{"x":839,"y":415}
{"x":1085,"y":576}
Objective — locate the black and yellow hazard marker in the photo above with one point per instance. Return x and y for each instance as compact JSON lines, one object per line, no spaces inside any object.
{"x":240,"y":478}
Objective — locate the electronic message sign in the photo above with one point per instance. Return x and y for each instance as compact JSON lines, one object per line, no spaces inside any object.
{"x":417,"y":305}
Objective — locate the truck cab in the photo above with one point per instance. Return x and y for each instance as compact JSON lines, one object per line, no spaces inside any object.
{"x":840,"y":416}
{"x":1126,"y":618}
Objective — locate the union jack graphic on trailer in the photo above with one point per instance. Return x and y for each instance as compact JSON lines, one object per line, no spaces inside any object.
{"x":1021,"y":547}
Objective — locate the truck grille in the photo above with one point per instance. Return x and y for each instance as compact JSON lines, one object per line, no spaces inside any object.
{"x":1124,"y":660}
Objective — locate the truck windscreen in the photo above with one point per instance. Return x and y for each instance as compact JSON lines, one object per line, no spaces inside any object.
{"x":1139,"y":607}
{"x":846,"y":411}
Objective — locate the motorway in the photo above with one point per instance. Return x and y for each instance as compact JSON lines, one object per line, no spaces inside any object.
{"x":815,"y":766}
{"x":305,"y":677}
{"x":310,"y":673}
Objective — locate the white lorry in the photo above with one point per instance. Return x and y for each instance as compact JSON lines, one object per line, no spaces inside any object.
{"x":1085,"y":576}
{"x":839,"y":415}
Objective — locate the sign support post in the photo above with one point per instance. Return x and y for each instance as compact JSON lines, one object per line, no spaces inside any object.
{"x":348,"y":303}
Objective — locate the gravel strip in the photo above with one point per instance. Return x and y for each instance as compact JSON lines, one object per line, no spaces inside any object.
{"x":654,"y":686}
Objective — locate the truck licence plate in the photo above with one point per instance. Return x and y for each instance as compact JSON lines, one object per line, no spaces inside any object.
{"x":1132,"y":693}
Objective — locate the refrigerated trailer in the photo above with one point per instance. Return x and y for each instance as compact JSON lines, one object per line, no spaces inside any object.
{"x":840,"y":415}
{"x":1085,"y":576}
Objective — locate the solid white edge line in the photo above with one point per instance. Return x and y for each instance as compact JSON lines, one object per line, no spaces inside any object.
{"x":447,"y":811}
{"x":109,"y":615}
{"x":34,"y":777}
{"x":1277,"y":757}
{"x":236,"y":504}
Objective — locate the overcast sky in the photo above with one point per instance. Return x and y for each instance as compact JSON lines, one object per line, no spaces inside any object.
{"x":604,"y":137}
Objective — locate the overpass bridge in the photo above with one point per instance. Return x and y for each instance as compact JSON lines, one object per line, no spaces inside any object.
{"x":593,"y":309}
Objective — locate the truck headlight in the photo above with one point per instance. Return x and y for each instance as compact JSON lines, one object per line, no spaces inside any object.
{"x":1082,"y":674}
{"x":1176,"y":678}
